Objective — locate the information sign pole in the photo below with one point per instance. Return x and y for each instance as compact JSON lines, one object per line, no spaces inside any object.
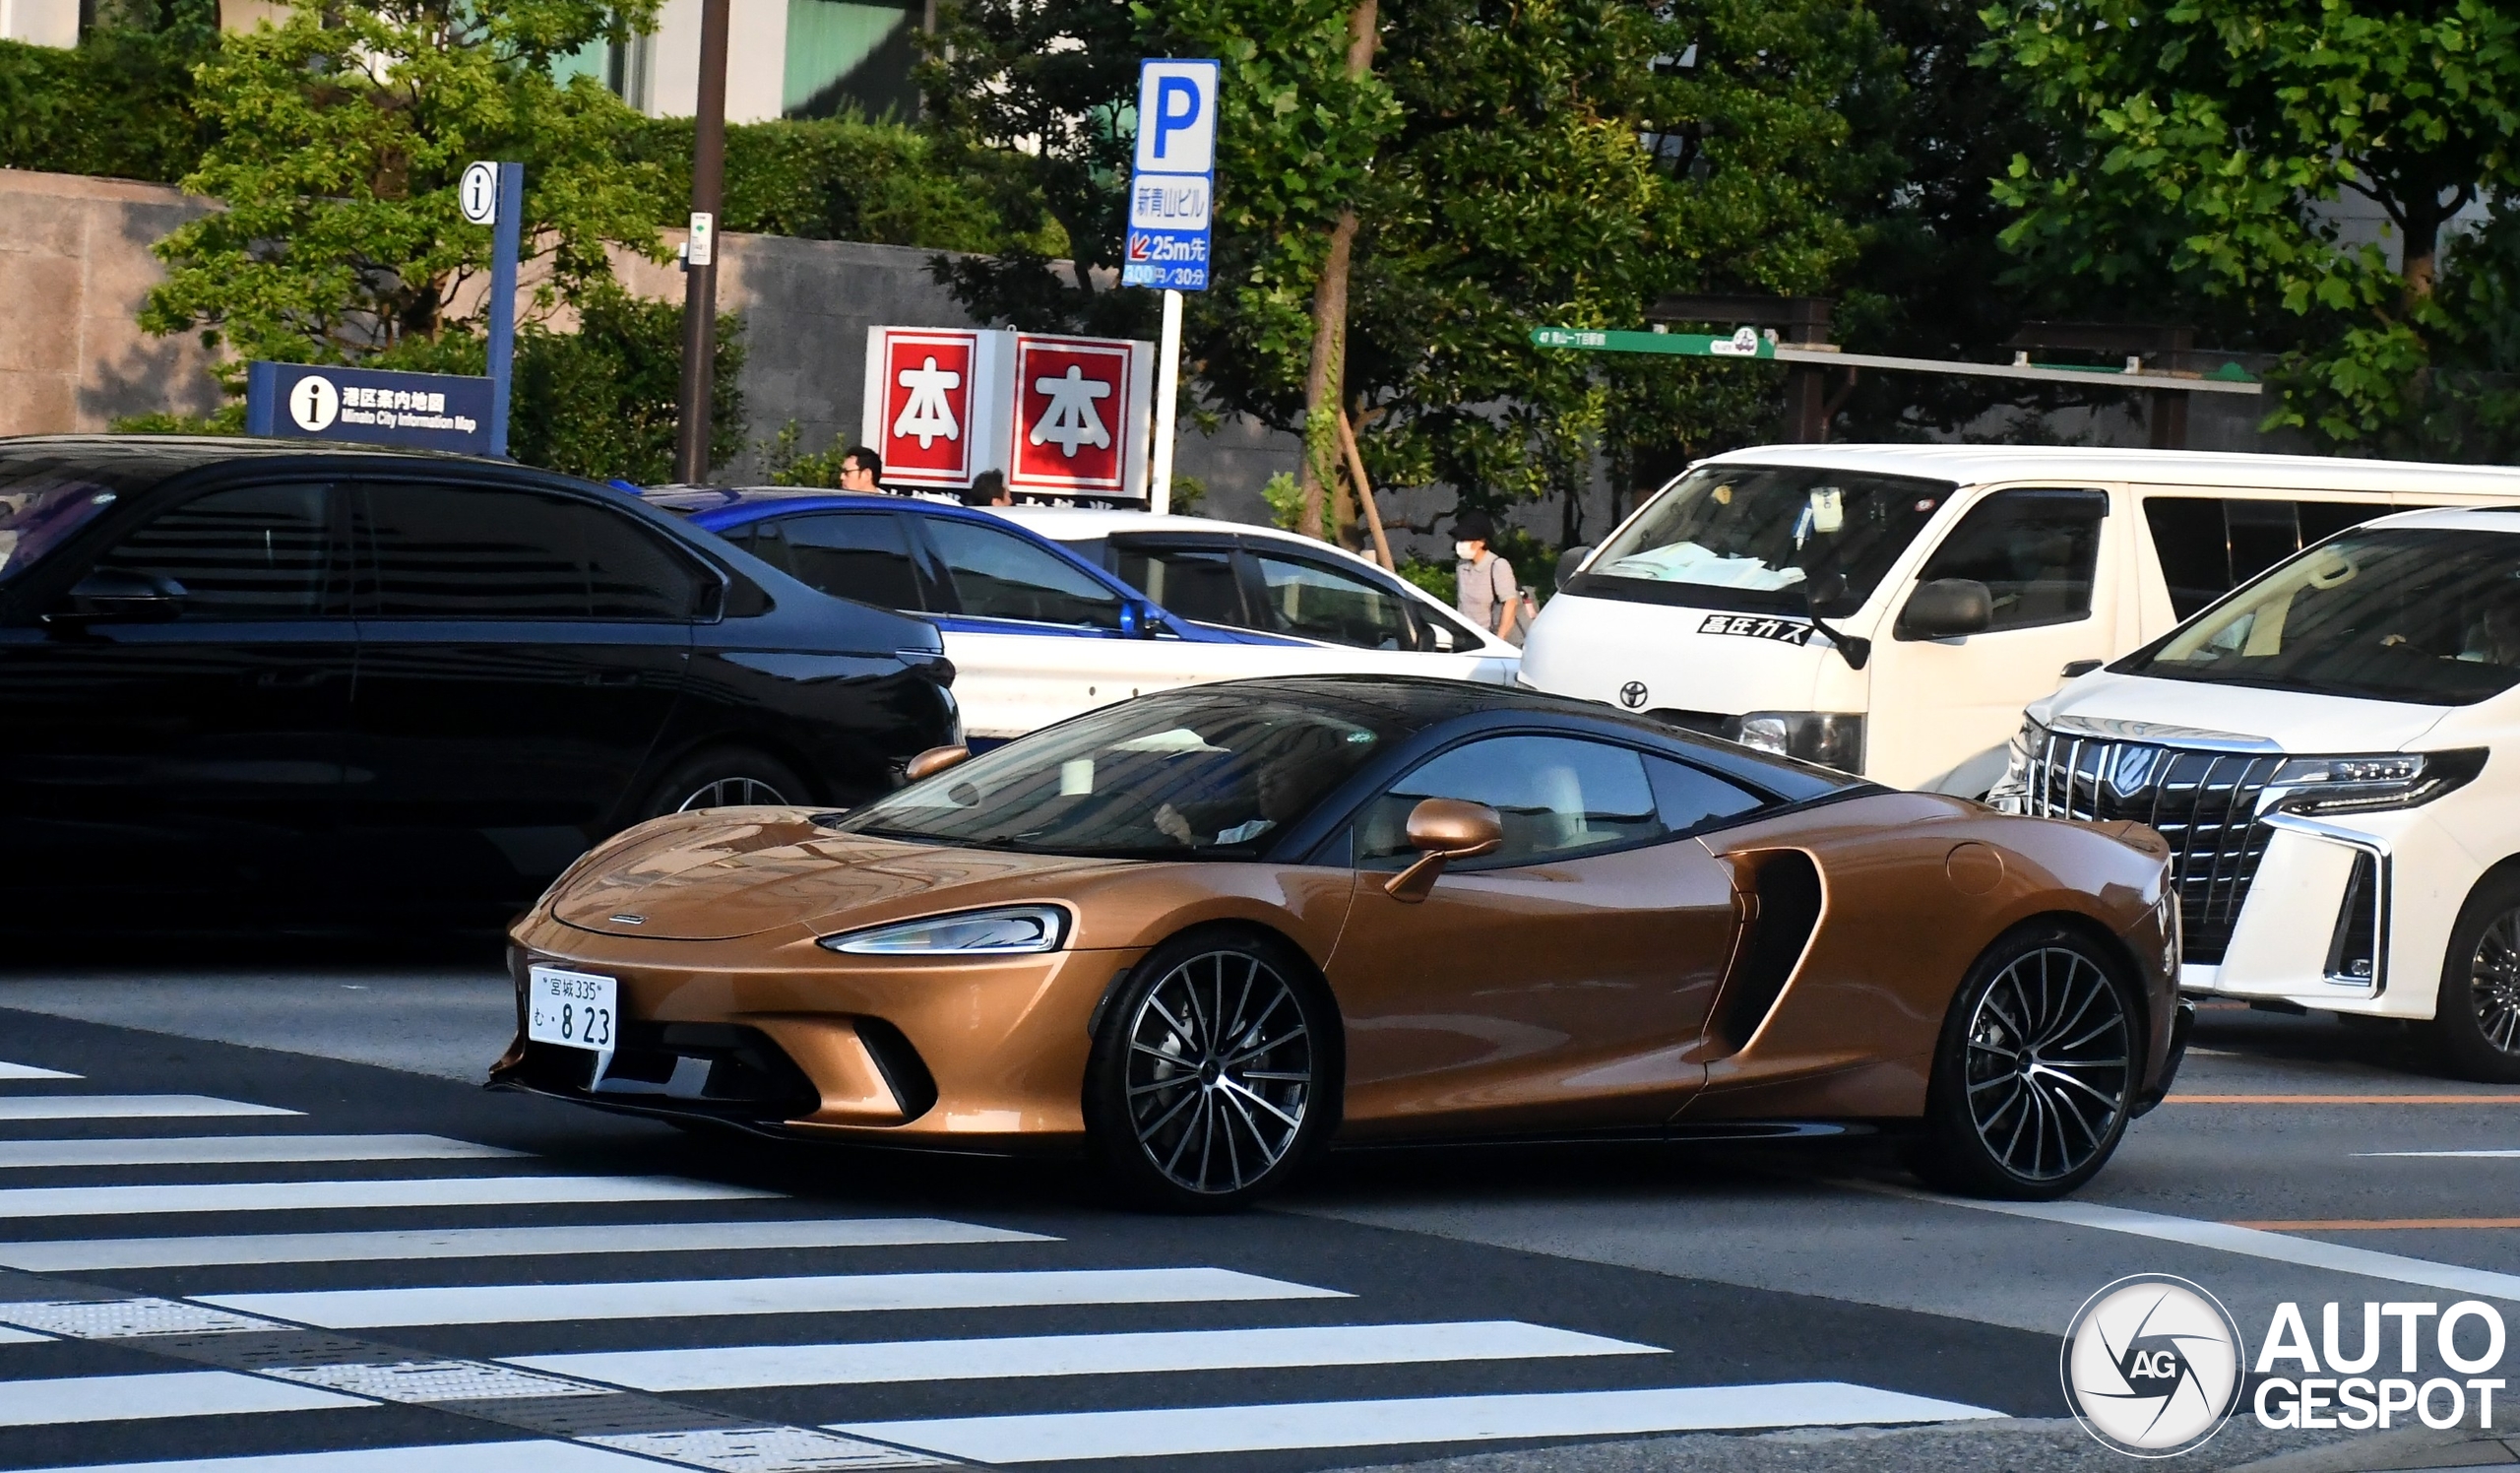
{"x":1167,"y":388}
{"x":505,"y":241}
{"x":1171,"y":188}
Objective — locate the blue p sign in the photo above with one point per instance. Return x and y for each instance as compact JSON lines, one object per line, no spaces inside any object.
{"x":1176,"y":117}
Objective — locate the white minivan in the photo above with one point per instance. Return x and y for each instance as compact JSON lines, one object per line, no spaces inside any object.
{"x":1889,"y":609}
{"x":2333,"y":752}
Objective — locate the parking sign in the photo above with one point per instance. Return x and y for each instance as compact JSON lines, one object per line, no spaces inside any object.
{"x":1174,"y":177}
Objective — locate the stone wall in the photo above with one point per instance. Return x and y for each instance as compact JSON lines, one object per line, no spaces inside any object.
{"x":75,"y":254}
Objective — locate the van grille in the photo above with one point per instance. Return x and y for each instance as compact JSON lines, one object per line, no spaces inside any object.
{"x":2204,"y":803}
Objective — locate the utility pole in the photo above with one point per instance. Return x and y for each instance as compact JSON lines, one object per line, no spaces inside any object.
{"x":699,"y":256}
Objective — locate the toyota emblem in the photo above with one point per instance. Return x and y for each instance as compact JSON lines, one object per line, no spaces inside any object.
{"x":1632,"y":696}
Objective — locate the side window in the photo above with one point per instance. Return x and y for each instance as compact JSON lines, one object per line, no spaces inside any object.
{"x":491,"y":552}
{"x":861,"y":555}
{"x":999,"y":575}
{"x":1318,"y":601}
{"x":2034,"y":550}
{"x":249,"y":552}
{"x":1196,"y":583}
{"x":2209,"y":545}
{"x":1688,"y":798}
{"x":1560,"y":797}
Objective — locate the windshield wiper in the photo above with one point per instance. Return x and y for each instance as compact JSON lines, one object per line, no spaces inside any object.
{"x":1825,"y":589}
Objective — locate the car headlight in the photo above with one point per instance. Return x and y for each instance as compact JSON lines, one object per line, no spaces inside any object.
{"x":2011,"y":793}
{"x":2321,"y":787}
{"x":1830,"y":739}
{"x":1009,"y":931}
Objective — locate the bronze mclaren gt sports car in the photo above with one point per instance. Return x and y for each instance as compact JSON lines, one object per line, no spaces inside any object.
{"x":1205,"y":933}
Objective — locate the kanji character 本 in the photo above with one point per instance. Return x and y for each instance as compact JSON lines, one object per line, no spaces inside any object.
{"x":1071,"y":418}
{"x":928,"y":415}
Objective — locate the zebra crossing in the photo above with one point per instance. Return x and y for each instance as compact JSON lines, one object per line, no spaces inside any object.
{"x":267,"y":1296}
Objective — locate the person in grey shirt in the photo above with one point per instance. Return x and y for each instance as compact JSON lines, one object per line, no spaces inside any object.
{"x":1483,"y":584}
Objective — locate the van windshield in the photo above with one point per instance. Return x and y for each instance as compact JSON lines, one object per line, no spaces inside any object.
{"x":1750,"y":537}
{"x":2424,"y":614}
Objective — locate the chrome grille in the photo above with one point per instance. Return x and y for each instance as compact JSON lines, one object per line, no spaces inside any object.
{"x":2204,"y":803}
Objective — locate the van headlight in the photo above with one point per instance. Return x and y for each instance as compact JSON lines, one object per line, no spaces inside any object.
{"x":2326,"y":787}
{"x":2011,"y":793}
{"x":1829,"y":738}
{"x":1007,"y":931}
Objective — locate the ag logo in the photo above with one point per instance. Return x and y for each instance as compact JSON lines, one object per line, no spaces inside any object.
{"x":314,"y":403}
{"x":1632,"y":696}
{"x":2152,"y":1366}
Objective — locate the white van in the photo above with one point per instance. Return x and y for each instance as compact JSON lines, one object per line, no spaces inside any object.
{"x":1889,"y":609}
{"x":2333,"y":754}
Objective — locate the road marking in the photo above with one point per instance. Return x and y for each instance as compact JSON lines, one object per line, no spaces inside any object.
{"x":13,"y":1336}
{"x":301,"y":1196}
{"x":538,"y":1455}
{"x":724,"y":1367}
{"x":523,"y":1304}
{"x":2513,"y":1099}
{"x":2365,"y":1224}
{"x":1061,"y":1436}
{"x":224,"y":1150}
{"x":423,"y":1383}
{"x":29,"y":1071}
{"x":2308,"y":1252}
{"x":762,"y":1449}
{"x":397,"y":1244}
{"x":171,"y":1393}
{"x":2454,"y":1155}
{"x":126,"y":1108}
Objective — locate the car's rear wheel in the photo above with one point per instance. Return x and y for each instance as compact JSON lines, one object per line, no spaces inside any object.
{"x":2039,"y":1062}
{"x":727,"y":778}
{"x":2476,"y":1017}
{"x":1213,"y":1073}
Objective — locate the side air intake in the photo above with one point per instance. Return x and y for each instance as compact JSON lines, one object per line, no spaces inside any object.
{"x":1787,"y":886}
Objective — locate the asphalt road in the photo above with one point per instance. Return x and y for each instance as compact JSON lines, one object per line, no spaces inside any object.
{"x":1505,"y":1310}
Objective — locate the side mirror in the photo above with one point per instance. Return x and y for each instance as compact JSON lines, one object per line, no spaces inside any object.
{"x":1139,"y":621}
{"x":113,"y":596}
{"x":1571,"y":559}
{"x":1442,"y":830}
{"x":934,"y":760}
{"x":1947,"y":608}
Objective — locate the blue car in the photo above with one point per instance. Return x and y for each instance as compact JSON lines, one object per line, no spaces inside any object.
{"x":1035,"y":633}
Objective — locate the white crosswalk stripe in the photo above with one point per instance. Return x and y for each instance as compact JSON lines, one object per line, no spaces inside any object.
{"x":29,"y":1071}
{"x":173,"y":1393}
{"x":536,"y":1455}
{"x":127,"y":1108}
{"x":421,"y":1244}
{"x":231,"y":1150}
{"x":301,"y":1196}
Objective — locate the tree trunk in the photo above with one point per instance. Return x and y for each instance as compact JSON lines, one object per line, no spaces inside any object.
{"x":1325,"y":384}
{"x":2423,"y":248}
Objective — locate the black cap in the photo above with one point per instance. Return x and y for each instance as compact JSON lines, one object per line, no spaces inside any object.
{"x":1474,"y":527}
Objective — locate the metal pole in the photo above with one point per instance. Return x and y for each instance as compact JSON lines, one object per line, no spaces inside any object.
{"x":1167,"y":388}
{"x":506,"y":232}
{"x":700,"y":279}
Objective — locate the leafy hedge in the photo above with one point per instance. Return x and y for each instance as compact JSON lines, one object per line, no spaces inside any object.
{"x":121,"y":104}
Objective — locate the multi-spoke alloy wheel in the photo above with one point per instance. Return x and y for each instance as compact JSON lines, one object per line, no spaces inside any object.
{"x":2476,"y":1018}
{"x":2038,"y":1064}
{"x":1207,"y":1081}
{"x":731,"y":792}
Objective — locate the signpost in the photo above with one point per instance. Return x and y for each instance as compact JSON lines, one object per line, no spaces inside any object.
{"x":1171,"y":191}
{"x":493,"y":195}
{"x":1749,"y":344}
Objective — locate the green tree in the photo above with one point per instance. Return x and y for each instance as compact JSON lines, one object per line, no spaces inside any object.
{"x":119,"y":104}
{"x":341,"y":134}
{"x":2209,"y":140}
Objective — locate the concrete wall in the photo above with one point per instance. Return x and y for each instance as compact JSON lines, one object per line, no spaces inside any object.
{"x":75,"y":254}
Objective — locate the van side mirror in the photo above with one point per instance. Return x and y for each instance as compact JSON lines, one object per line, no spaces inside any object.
{"x":934,"y":760}
{"x":1442,"y":830}
{"x":1947,"y":608}
{"x":1570,"y":561}
{"x":117,"y":596}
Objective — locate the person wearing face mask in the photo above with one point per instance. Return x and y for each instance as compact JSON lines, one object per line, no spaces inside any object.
{"x":1484,"y":588}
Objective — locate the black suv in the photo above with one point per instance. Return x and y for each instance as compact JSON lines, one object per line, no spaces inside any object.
{"x":240,"y":679}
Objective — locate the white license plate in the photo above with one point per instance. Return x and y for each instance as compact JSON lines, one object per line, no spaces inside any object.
{"x":575,"y":1009}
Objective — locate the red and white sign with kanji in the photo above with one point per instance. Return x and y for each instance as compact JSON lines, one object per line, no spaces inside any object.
{"x":1059,"y":417}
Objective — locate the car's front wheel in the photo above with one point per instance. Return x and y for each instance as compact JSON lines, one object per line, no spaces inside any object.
{"x":727,"y":778}
{"x":2038,"y":1060}
{"x":2476,"y":1017}
{"x":1213,"y":1073}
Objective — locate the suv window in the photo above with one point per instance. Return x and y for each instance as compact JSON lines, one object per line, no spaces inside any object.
{"x":2034,"y":550}
{"x":1560,"y":798}
{"x":999,"y":575}
{"x":861,"y":555}
{"x":441,"y":551}
{"x":1196,"y":583}
{"x":2211,"y":544}
{"x":249,"y":552}
{"x":1314,"y":600}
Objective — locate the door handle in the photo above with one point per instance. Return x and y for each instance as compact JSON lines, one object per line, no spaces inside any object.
{"x":290,"y":679}
{"x":612,"y":677}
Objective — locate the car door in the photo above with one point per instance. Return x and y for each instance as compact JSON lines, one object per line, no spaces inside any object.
{"x":1193,"y":577}
{"x":520,"y":649}
{"x":1035,"y":637}
{"x":1942,"y":709}
{"x":863,"y":555}
{"x":1563,"y":981}
{"x":201,"y":752}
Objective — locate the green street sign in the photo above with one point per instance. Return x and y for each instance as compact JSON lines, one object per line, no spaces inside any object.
{"x":1744,"y":344}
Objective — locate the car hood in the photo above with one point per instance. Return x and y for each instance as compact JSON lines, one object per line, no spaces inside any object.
{"x":739,"y":873}
{"x":2145,"y":709}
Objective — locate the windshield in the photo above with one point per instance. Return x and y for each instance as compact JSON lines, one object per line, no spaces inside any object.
{"x":1184,"y":775}
{"x":1749,"y":537}
{"x":41,"y":506}
{"x":2423,"y":614}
